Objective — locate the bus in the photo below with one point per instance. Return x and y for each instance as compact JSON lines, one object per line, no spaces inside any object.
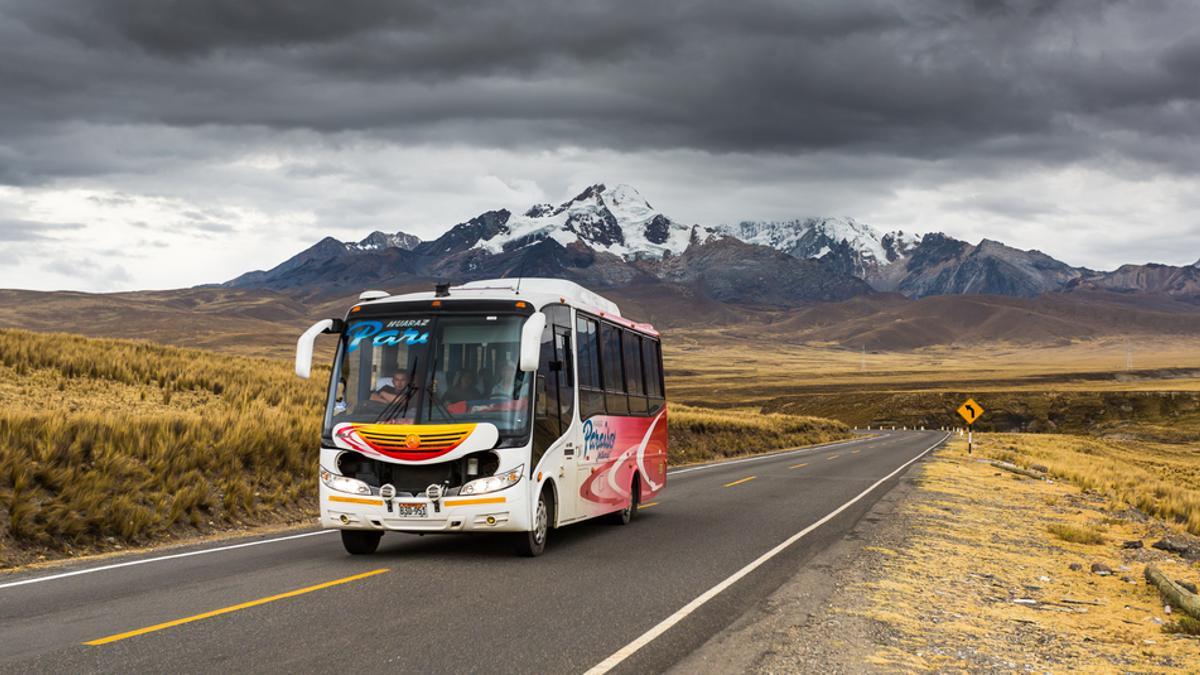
{"x":505,"y":405}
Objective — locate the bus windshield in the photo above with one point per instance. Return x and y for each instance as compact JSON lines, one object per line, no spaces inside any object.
{"x":415,"y":369}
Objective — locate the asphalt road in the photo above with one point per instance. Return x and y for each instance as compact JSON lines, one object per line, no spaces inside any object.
{"x":633,"y":599}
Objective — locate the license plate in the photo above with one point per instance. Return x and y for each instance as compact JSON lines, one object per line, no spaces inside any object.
{"x":410,"y":510}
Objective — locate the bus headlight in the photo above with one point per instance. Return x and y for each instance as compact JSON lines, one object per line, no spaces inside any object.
{"x":493,"y":483}
{"x":353,"y":486}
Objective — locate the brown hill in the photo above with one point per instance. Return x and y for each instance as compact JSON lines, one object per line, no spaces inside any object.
{"x":248,"y":322}
{"x":893,"y":323}
{"x":264,"y":322}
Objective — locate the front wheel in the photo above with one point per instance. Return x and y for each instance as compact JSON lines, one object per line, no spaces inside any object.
{"x":533,"y":543}
{"x":361,"y":542}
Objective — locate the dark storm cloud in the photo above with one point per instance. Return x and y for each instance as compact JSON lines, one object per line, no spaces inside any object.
{"x":928,"y":79}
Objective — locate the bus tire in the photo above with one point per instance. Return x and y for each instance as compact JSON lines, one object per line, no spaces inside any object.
{"x":360,"y":542}
{"x":627,"y":514}
{"x":533,"y":543}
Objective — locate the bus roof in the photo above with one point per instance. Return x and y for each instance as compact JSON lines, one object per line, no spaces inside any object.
{"x":537,"y":290}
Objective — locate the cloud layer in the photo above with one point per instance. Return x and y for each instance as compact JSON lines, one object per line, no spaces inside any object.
{"x":1047,"y":124}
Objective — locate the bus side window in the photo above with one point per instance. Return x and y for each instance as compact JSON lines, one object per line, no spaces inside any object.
{"x":591,"y":395}
{"x":652,"y":363}
{"x":632,"y":347}
{"x":614,"y":377}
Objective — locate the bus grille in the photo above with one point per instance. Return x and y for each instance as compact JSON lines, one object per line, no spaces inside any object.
{"x":413,"y":442}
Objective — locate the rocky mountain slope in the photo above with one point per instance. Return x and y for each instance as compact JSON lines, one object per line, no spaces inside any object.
{"x":606,"y":238}
{"x":941,"y":265}
{"x":1150,"y":278}
{"x":613,"y":237}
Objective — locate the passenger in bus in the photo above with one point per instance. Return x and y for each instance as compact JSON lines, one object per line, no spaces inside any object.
{"x":504,"y":385}
{"x":391,"y":391}
{"x":464,"y":388}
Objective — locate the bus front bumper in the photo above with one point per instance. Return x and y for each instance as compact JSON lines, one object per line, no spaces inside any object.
{"x":502,"y":511}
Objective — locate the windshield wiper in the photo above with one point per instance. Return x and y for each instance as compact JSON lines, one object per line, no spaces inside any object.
{"x":434,"y":399}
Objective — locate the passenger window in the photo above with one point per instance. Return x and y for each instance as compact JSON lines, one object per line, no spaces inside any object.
{"x":610,"y":344}
{"x":650,"y":359}
{"x":631,"y":346}
{"x":589,"y":353}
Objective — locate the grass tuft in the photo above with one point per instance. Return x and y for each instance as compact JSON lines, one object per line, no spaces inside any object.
{"x":1077,"y":534}
{"x":1184,"y":625}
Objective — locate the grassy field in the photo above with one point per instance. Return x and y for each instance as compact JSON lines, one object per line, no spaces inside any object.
{"x":108,"y":443}
{"x":704,"y":434}
{"x":1062,"y":387}
{"x":1142,"y":471}
{"x":111,"y":443}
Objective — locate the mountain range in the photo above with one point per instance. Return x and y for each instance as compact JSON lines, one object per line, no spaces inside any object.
{"x":613,"y":238}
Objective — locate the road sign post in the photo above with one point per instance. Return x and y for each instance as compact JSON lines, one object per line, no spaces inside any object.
{"x":970,"y":411}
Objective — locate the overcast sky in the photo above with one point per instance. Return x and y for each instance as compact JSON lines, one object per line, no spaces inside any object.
{"x":167,"y":143}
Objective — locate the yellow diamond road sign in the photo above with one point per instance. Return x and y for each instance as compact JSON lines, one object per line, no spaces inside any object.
{"x":970,"y":411}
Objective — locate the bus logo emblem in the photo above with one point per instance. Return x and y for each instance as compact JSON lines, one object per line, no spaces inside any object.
{"x":413,"y":441}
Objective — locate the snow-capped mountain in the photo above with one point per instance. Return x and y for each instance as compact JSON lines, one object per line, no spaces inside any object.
{"x":620,"y":221}
{"x":615,"y":220}
{"x":612,"y":237}
{"x":853,"y":247}
{"x":380,"y":240}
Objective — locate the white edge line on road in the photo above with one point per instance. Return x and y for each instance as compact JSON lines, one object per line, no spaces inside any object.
{"x":760,"y":458}
{"x":174,"y":556}
{"x":683,"y":612}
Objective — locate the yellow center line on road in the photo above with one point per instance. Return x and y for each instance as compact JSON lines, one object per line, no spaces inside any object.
{"x":231,"y":608}
{"x":798,"y":466}
{"x":647,"y":505}
{"x":854,"y":452}
{"x":740,"y":481}
{"x":833,"y":457}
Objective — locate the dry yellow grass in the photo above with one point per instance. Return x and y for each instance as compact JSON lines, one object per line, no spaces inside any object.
{"x":721,"y":365}
{"x":701,"y":434}
{"x":1068,"y":388}
{"x":1077,"y":534}
{"x":1157,"y":478}
{"x":106,"y":443}
{"x":981,"y":582}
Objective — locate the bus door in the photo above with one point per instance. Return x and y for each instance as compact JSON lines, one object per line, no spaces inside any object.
{"x":554,"y":431}
{"x":572,"y":438}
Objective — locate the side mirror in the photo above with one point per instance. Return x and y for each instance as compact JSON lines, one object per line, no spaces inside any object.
{"x":304,"y":346}
{"x":531,"y":342}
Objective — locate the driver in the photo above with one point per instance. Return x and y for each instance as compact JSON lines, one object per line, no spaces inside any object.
{"x":390,"y":392}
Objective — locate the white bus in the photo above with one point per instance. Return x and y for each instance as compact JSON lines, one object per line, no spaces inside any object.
{"x":496,"y":406}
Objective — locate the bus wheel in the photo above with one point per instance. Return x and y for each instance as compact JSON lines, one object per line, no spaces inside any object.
{"x":361,"y":542}
{"x":533,"y":543}
{"x":628,"y":513}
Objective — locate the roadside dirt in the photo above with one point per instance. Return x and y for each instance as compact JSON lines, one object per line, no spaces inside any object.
{"x":957,"y":569}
